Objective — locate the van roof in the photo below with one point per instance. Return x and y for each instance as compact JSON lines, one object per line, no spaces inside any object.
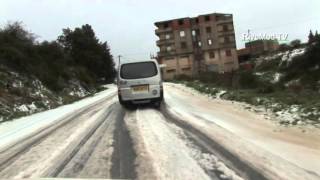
{"x":136,"y":61}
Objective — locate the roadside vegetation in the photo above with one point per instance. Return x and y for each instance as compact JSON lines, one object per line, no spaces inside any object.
{"x":36,"y":76}
{"x":286,"y":83}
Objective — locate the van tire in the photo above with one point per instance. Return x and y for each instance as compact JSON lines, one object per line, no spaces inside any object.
{"x":161,"y":95}
{"x":157,"y":104}
{"x":121,"y":101}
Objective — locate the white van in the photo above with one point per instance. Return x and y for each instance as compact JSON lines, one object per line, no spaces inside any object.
{"x":140,"y":82}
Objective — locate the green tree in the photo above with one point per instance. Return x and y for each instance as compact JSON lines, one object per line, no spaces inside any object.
{"x":88,"y":52}
{"x":311,"y":38}
{"x":317,"y":37}
{"x":16,"y":46}
{"x":76,"y":55}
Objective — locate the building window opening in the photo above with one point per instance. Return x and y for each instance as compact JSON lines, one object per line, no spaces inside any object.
{"x":186,"y":69}
{"x":207,"y":18}
{"x":171,"y":71}
{"x":182,"y":34}
{"x":228,"y":52}
{"x":227,"y":39}
{"x":197,"y":20}
{"x":181,"y":22}
{"x":183,"y":45}
{"x":211,"y":55}
{"x":208,"y":29}
{"x":225,"y":28}
{"x":193,"y":33}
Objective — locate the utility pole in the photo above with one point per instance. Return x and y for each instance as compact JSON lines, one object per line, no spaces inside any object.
{"x":119,"y":58}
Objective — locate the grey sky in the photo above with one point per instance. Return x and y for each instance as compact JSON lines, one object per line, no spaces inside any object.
{"x":128,"y":27}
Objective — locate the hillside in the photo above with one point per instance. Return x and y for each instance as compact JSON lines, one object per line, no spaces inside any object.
{"x":36,"y":76}
{"x":285,"y":83}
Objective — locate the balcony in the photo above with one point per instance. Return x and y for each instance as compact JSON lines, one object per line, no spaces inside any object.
{"x":160,"y":31}
{"x":224,"y":19}
{"x":226,"y":32}
{"x":227,"y":44}
{"x":185,"y":51}
{"x":165,"y":42}
{"x":166,"y":53}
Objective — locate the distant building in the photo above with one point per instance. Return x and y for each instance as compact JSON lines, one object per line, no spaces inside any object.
{"x":262,"y":46}
{"x":243,"y":54}
{"x":256,"y":48}
{"x":189,"y":46}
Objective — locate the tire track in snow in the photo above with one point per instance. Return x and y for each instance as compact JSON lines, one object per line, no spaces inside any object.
{"x":207,"y":145}
{"x":161,"y":154}
{"x":46,"y":131}
{"x":17,"y":159}
{"x":71,"y":152}
{"x":123,"y":156}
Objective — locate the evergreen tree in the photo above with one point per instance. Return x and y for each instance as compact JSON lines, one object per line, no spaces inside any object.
{"x":317,"y":37}
{"x":76,"y":55}
{"x":311,"y":37}
{"x":88,"y":52}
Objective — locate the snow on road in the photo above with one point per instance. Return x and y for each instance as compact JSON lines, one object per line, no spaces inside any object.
{"x":260,"y":142}
{"x":160,"y":153}
{"x":12,"y":131}
{"x":43,"y":163}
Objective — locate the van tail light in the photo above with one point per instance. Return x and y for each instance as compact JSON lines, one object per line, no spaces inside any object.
{"x":161,"y":85}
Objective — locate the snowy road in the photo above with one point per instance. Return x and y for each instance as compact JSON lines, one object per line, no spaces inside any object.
{"x":190,"y":137}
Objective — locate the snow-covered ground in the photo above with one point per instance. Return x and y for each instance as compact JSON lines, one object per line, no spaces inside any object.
{"x":11,"y":131}
{"x":289,"y":55}
{"x":286,"y":57}
{"x":287,"y":151}
{"x":164,"y":151}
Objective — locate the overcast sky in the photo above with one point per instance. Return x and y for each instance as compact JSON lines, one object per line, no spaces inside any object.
{"x":128,"y":25}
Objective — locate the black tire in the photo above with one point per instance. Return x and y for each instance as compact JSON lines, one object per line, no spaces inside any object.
{"x":161,"y":95}
{"x":120,"y":100}
{"x":125,"y":104}
{"x":157,"y":104}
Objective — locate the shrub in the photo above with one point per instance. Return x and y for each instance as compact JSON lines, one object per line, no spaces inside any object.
{"x":183,"y":77}
{"x":248,"y":80}
{"x":284,"y":47}
{"x":295,"y":43}
{"x":266,"y":89}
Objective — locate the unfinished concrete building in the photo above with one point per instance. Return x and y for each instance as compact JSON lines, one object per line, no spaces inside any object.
{"x":190,"y":46}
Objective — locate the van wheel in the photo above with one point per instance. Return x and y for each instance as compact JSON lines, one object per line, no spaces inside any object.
{"x":157,"y":104}
{"x":123,"y":103}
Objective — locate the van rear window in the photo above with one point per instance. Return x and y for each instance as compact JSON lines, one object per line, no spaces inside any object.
{"x":138,"y":70}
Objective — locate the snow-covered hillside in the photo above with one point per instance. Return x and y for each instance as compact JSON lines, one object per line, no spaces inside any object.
{"x":284,"y":83}
{"x":21,"y":95}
